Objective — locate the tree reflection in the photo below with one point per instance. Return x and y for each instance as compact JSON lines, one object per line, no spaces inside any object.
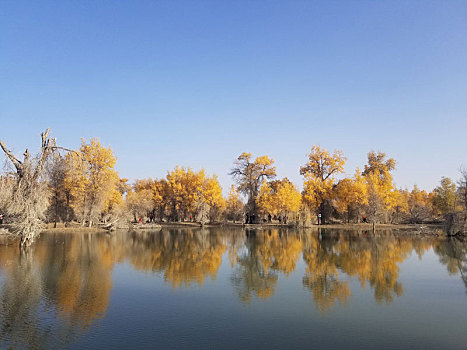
{"x":453,"y":253}
{"x":20,"y":304}
{"x":374,"y":261}
{"x":63,"y":283}
{"x":84,"y":279}
{"x":183,"y":256}
{"x":321,"y":276}
{"x":267,"y":253}
{"x":64,"y":275}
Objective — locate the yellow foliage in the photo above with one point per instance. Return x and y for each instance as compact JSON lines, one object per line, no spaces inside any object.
{"x":250,"y":175}
{"x":279,"y":197}
{"x":234,"y":205}
{"x":382,"y":194}
{"x":184,"y":186}
{"x":212,"y":193}
{"x":351,"y":193}
{"x":319,"y":174}
{"x":193,"y":192}
{"x":92,"y":180}
{"x":401,"y":200}
{"x":383,"y":189}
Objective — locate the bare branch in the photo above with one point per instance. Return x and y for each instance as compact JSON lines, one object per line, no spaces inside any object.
{"x":13,"y":159}
{"x":65,"y":149}
{"x":44,"y":137}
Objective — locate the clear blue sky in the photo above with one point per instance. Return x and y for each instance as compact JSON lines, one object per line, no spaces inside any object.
{"x":196,"y":83}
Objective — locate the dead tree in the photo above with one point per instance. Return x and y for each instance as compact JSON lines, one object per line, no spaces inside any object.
{"x":25,"y":193}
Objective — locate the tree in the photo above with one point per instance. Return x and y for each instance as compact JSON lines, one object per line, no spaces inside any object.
{"x":377,"y":164}
{"x":24,"y":196}
{"x":351,"y":194}
{"x":183,"y":186}
{"x":91,"y":180}
{"x":462,"y":188}
{"x":400,"y":205}
{"x":444,"y":200}
{"x":195,"y":194}
{"x":210,"y":199}
{"x":319,"y":176}
{"x":419,"y":205}
{"x":59,"y":208}
{"x":160,"y":190}
{"x":382,"y":195}
{"x":279,"y":197}
{"x":234,"y":205}
{"x":139,"y":201}
{"x":250,"y":175}
{"x":149,"y":196}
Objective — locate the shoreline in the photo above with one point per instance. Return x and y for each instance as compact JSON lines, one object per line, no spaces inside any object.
{"x":401,"y":230}
{"x":158,"y":226}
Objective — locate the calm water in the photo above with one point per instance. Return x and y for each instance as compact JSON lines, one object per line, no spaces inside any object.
{"x":228,"y":288}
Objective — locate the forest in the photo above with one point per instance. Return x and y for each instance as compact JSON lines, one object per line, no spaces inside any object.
{"x":82,"y":186}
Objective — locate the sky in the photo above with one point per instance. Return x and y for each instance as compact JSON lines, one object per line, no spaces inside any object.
{"x":196,"y":83}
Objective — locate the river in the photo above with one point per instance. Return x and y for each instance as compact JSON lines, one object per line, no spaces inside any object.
{"x":228,"y":288}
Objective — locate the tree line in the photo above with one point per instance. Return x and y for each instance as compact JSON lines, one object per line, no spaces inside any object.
{"x":61,"y":185}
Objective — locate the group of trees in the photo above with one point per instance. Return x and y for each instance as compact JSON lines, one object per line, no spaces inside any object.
{"x":83,"y":185}
{"x":369,"y":194}
{"x":184,"y":194}
{"x":55,"y":186}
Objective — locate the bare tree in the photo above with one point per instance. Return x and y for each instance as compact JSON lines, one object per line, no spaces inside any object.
{"x":25,"y":195}
{"x":462,"y":188}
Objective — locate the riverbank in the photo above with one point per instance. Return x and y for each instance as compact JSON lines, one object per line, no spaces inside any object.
{"x":77,"y":228}
{"x":350,"y":227}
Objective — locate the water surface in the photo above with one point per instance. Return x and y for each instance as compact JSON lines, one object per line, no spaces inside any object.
{"x":231,"y":288}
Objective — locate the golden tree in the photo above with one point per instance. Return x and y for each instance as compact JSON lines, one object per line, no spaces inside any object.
{"x":140,"y":201}
{"x":160,"y":190}
{"x":234,"y":205}
{"x":351,"y":194}
{"x":91,"y":180}
{"x":319,"y":176}
{"x":382,"y":195}
{"x":210,"y":201}
{"x":183,"y":184}
{"x":279,"y":197}
{"x":193,"y":193}
{"x":400,"y":207}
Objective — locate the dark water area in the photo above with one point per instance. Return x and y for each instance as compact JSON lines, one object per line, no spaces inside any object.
{"x":234,"y":289}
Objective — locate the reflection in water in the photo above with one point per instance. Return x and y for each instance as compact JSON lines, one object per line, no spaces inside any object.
{"x":20,"y":299}
{"x":184,"y":256}
{"x":266,"y":254}
{"x":374,"y":261}
{"x":62,"y":286}
{"x":321,"y":276}
{"x":453,"y":254}
{"x":64,"y":275}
